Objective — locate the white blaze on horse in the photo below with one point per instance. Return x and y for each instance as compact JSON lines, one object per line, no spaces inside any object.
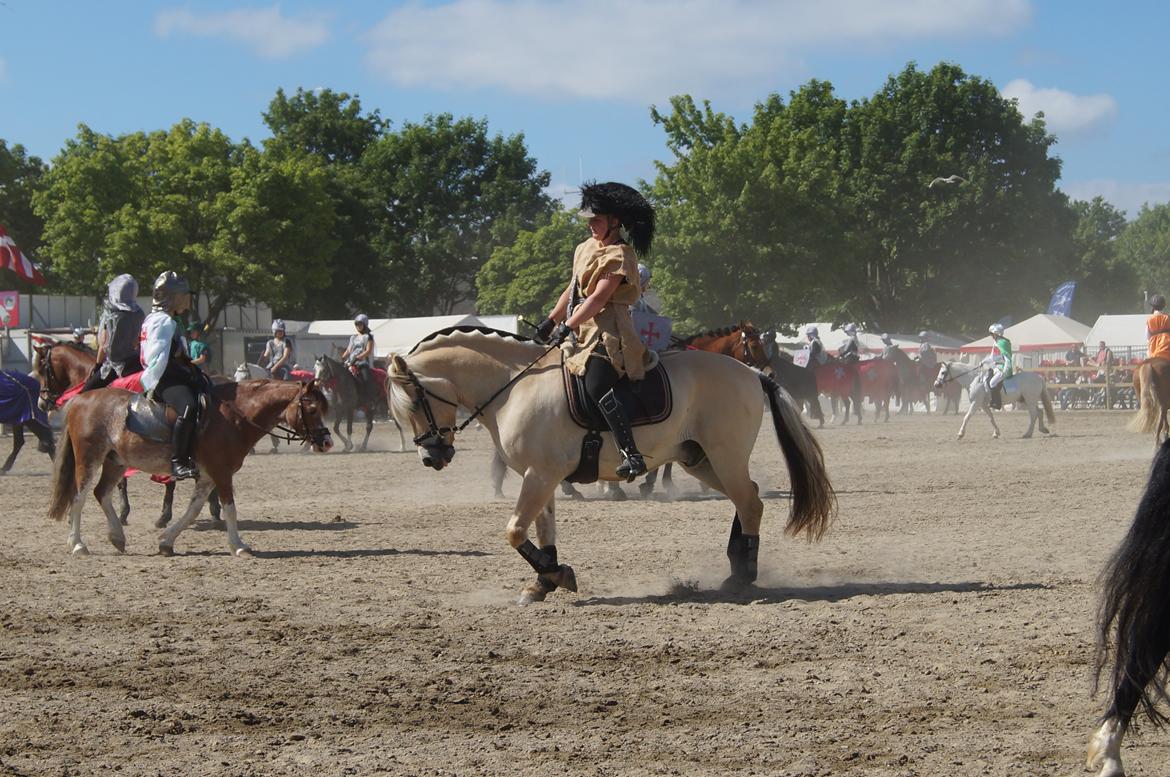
{"x":97,"y":447}
{"x":1027,"y":388}
{"x":517,"y":389}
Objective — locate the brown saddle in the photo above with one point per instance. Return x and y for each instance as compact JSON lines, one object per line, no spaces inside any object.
{"x":647,"y":401}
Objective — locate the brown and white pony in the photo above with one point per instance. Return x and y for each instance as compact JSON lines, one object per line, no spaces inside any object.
{"x":515,"y":388}
{"x":96,"y":449}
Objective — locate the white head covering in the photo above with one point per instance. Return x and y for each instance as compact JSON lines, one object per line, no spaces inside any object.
{"x":643,"y":276}
{"x":887,"y":339}
{"x":123,"y":292}
{"x":811,"y":331}
{"x":996,"y":329}
{"x":277,"y":325}
{"x":923,"y":335}
{"x":850,"y":329}
{"x":361,"y":318}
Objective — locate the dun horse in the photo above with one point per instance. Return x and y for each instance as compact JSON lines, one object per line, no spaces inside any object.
{"x":1151,"y":383}
{"x":1132,"y":626}
{"x":97,"y":448}
{"x":516,"y":388}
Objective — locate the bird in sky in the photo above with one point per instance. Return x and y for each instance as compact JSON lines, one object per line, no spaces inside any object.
{"x":948,"y":179}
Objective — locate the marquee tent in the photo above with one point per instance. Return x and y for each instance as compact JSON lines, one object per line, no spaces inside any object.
{"x":399,"y":335}
{"x":1119,"y":331}
{"x":1040,"y":333}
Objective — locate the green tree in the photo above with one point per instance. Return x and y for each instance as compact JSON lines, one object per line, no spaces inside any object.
{"x":529,"y":275}
{"x":238,"y":225}
{"x":446,"y":194}
{"x":1105,"y":284}
{"x":1145,"y":246}
{"x":332,"y":128}
{"x":20,"y":175}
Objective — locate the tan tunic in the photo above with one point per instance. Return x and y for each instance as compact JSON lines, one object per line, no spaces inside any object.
{"x":612,"y":326}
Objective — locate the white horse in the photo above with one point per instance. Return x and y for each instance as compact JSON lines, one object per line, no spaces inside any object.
{"x":515,"y":387}
{"x":1028,"y":388}
{"x":249,"y":370}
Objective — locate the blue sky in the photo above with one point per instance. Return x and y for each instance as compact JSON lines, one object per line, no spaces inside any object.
{"x":577,"y":78}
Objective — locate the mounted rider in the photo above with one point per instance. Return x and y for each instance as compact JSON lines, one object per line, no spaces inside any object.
{"x":359,"y":354}
{"x":999,"y":364}
{"x":1158,"y":329}
{"x":595,"y":306}
{"x":927,"y":357}
{"x":118,"y":333}
{"x":817,"y":355}
{"x":889,"y":347}
{"x":167,"y":370}
{"x":279,"y":354}
{"x":850,"y":351}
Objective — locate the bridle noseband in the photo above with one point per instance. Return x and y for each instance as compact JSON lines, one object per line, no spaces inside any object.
{"x":315,"y":436}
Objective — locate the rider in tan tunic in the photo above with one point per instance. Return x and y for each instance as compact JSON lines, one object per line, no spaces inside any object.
{"x":595,"y":307}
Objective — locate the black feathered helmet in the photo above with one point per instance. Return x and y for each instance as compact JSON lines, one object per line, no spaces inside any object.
{"x":625,"y":202}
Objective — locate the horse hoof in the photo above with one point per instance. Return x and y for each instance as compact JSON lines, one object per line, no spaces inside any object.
{"x":166,"y":550}
{"x":162,"y":522}
{"x":80,"y":550}
{"x":124,"y":521}
{"x":735,"y":583}
{"x":646,"y":489}
{"x":244,"y":552}
{"x":531,"y":594}
{"x":616,"y":494}
{"x":566,"y":578}
{"x":498,"y":495}
{"x":119,"y":543}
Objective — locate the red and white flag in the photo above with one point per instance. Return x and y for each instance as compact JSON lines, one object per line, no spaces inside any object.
{"x":11,"y":258}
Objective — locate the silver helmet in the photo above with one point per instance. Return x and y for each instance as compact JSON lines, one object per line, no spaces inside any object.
{"x":170,"y":292}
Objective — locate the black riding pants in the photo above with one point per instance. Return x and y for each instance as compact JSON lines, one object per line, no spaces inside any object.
{"x":181,"y":398}
{"x":600,"y":377}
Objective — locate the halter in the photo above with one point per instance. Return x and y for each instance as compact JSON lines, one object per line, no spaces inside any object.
{"x":314,"y":436}
{"x":434,"y":436}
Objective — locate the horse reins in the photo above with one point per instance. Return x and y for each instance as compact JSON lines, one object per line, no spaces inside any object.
{"x":435,"y":433}
{"x":314,"y":436}
{"x":956,"y":377}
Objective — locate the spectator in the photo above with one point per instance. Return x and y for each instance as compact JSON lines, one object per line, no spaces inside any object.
{"x":1103,"y":360}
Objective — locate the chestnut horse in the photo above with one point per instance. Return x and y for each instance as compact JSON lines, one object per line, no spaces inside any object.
{"x":97,"y":448}
{"x":1151,"y":383}
{"x":741,"y":342}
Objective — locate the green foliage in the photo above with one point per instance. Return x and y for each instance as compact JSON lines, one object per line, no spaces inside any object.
{"x":528,"y":276}
{"x":237,"y":224}
{"x":20,"y":176}
{"x":446,"y":194}
{"x":1105,"y":283}
{"x":1145,"y":246}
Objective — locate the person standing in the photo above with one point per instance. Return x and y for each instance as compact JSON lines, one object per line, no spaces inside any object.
{"x":118,"y":332}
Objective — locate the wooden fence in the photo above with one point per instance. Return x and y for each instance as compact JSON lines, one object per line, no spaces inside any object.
{"x":1090,"y":387}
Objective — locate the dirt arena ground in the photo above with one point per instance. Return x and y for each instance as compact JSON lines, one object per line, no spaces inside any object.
{"x":943,"y":627}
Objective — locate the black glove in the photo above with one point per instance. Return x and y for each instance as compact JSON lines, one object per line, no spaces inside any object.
{"x":544,"y":329}
{"x":559,"y":335}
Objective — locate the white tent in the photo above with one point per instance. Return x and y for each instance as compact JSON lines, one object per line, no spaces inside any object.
{"x":1041,"y":334}
{"x":399,"y":335}
{"x":503,"y":323}
{"x":1120,"y":331}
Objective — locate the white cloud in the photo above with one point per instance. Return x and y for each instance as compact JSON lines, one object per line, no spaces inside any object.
{"x":1065,"y":113}
{"x":1128,"y":197}
{"x":646,"y":50}
{"x":265,"y":30}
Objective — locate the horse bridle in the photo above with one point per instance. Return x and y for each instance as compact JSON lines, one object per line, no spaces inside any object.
{"x":436,"y":436}
{"x":305,"y":434}
{"x":940,"y":384}
{"x":47,"y":396}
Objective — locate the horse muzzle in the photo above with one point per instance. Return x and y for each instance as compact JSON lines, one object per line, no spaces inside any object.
{"x":436,"y":456}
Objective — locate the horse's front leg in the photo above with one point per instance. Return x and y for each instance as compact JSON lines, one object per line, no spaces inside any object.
{"x":369,"y":413}
{"x":123,"y":502}
{"x":970,"y":412}
{"x":17,"y":444}
{"x":535,"y":503}
{"x":166,"y":540}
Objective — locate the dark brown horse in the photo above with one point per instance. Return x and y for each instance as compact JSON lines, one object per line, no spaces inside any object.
{"x":97,"y":448}
{"x":1151,"y":384}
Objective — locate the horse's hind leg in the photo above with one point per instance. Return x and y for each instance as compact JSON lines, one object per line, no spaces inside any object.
{"x":743,"y":545}
{"x":168,"y":506}
{"x":369,"y":413}
{"x":104,"y":492}
{"x":17,"y":444}
{"x":123,"y":502}
{"x":84,"y":476}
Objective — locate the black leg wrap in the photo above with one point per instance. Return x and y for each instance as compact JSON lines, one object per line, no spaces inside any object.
{"x":538,"y":558}
{"x":743,"y":552}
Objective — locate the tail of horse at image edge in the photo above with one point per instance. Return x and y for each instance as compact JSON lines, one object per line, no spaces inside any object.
{"x":1135,"y":608}
{"x":813,"y":499}
{"x":1150,"y":413}
{"x":64,"y":479}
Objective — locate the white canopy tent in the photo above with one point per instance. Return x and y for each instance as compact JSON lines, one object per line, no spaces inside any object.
{"x":399,"y":335}
{"x":1041,"y":337}
{"x":1125,"y":335}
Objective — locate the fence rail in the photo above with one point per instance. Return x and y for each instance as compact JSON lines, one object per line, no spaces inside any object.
{"x":1108,"y":387}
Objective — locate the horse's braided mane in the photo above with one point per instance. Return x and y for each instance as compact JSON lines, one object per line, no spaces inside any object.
{"x":722,"y":332}
{"x":466,"y":329}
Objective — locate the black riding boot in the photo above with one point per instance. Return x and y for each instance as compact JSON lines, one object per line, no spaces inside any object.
{"x":997,"y":397}
{"x":615,"y":416}
{"x":182,"y":439}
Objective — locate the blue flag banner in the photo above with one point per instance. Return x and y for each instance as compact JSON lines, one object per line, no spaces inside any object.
{"x":1061,"y":302}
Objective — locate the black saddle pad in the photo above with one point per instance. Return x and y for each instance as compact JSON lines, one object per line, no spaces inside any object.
{"x":647,"y":401}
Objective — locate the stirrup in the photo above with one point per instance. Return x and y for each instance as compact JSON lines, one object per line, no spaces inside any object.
{"x":632,"y":466}
{"x":182,"y":469}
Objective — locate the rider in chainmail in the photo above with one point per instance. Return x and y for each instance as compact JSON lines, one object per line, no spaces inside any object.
{"x":117,"y":336}
{"x":851,"y":350}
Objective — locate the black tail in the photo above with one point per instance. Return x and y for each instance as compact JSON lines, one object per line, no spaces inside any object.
{"x":1135,"y":605}
{"x":813,"y":500}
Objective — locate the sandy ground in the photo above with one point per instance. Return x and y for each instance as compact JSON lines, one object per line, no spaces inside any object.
{"x":943,"y":627}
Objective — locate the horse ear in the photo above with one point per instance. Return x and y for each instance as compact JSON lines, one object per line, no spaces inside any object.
{"x":398,"y":368}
